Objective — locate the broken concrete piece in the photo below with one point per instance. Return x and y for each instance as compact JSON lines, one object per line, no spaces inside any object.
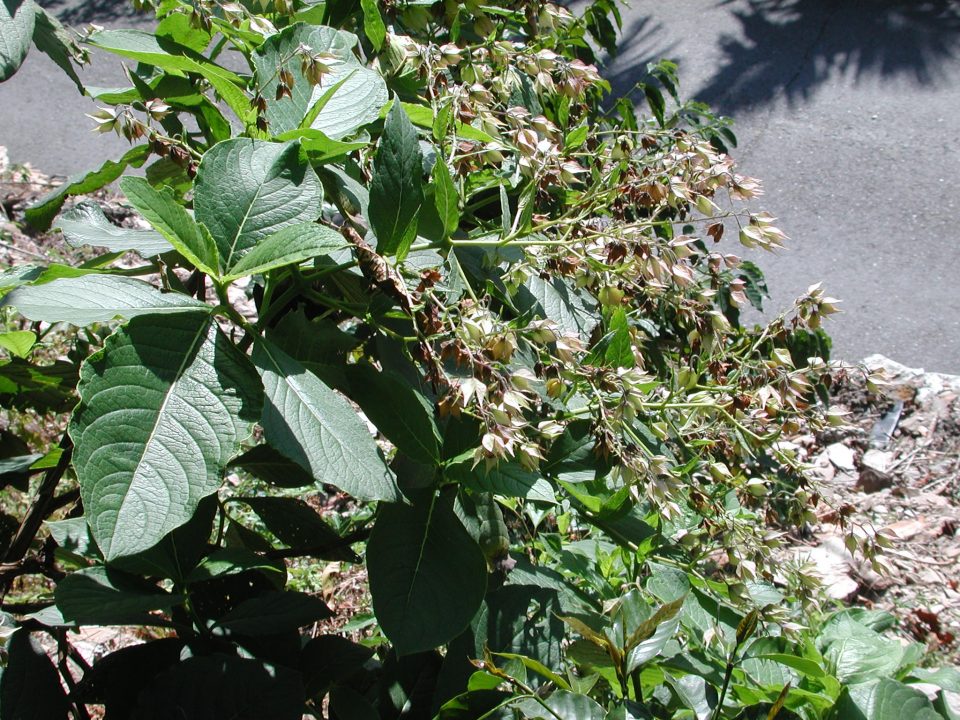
{"x":877,"y":459}
{"x":842,"y":456}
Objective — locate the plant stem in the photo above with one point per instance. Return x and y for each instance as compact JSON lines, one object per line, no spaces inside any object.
{"x":39,"y":510}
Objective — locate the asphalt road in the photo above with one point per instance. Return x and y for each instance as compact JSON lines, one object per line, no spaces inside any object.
{"x":848,"y":110}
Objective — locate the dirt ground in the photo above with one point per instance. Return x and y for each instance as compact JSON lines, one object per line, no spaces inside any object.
{"x":894,"y":470}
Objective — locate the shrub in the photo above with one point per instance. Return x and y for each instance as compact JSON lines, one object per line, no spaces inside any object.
{"x":422,"y":297}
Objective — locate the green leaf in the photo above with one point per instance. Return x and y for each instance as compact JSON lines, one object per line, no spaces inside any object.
{"x":427,"y":575}
{"x":946,"y":677}
{"x":14,"y":277}
{"x":274,"y":612}
{"x":396,"y":190}
{"x":17,"y":18}
{"x":246,"y":190}
{"x":695,"y":693}
{"x":30,"y":686}
{"x":16,"y":470}
{"x":505,"y":479}
{"x":755,"y":286}
{"x":233,"y":561}
{"x":883,"y":699}
{"x":398,"y":410}
{"x":445,"y":197}
{"x":44,"y":210}
{"x":270,"y":466}
{"x":576,"y":137}
{"x":289,"y":246}
{"x":179,"y":28}
{"x":537,"y":667}
{"x":655,"y":101}
{"x":327,"y":659}
{"x":422,"y":116}
{"x":563,"y":705}
{"x":802,"y":665}
{"x":18,"y":342}
{"x":99,"y":596}
{"x":223,"y":687}
{"x":309,"y":423}
{"x":117,"y":679}
{"x":557,"y":301}
{"x":85,"y":224}
{"x":165,"y":172}
{"x":178,"y":551}
{"x":478,"y":703}
{"x":163,"y":408}
{"x":172,"y":221}
{"x":373,"y":26}
{"x":300,"y":526}
{"x":857,"y":652}
{"x":73,"y":535}
{"x":164,"y":53}
{"x":619,"y":352}
{"x":320,"y":148}
{"x":650,"y":638}
{"x":97,"y":298}
{"x":345,"y":702}
{"x":54,"y":41}
{"x":359,"y":92}
{"x":349,"y":192}
{"x":41,"y":387}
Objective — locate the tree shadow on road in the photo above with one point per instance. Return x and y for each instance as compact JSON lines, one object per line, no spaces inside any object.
{"x":78,"y":12}
{"x":787,"y":48}
{"x":641,"y":43}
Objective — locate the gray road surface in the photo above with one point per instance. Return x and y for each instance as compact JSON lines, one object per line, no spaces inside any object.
{"x":848,"y":110}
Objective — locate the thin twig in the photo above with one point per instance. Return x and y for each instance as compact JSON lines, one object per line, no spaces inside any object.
{"x":29,"y":253}
{"x":40,"y":509}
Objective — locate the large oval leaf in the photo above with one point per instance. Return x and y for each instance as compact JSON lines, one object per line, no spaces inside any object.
{"x":396,"y":190}
{"x":163,"y":408}
{"x":42,"y":212}
{"x":223,"y":687}
{"x":99,"y":596}
{"x":351,"y":95}
{"x":398,"y":410}
{"x":85,"y":224}
{"x":163,"y":52}
{"x":17,"y":18}
{"x":248,"y":189}
{"x":427,"y":575}
{"x":96,"y":298}
{"x":30,"y":685}
{"x":310,"y":424}
{"x":883,"y":699}
{"x":293,"y":244}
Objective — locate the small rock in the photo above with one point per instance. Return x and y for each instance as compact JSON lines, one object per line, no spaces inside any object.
{"x":841,"y":456}
{"x":871,"y":480}
{"x":877,"y":459}
{"x":833,"y":570}
{"x":906,"y":529}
